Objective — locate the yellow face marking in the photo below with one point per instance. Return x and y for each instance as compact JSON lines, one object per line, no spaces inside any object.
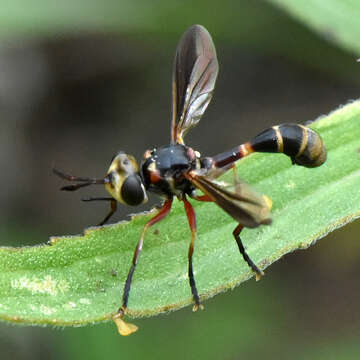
{"x":121,"y":167}
{"x":114,"y":187}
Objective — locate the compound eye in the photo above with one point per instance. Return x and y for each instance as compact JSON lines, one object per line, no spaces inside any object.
{"x":133,"y":191}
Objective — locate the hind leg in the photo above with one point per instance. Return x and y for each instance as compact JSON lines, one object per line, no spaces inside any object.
{"x":254,"y":268}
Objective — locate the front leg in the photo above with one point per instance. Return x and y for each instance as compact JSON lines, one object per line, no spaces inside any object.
{"x":124,"y":327}
{"x":113,"y":206}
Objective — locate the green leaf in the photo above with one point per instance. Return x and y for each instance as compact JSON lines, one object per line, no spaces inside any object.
{"x":79,"y":280}
{"x":337,"y":21}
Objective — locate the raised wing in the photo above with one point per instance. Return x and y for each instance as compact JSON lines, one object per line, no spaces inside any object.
{"x":194,"y":76}
{"x":242,"y":203}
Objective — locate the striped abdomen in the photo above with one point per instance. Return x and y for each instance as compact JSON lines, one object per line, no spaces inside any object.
{"x":303,"y":145}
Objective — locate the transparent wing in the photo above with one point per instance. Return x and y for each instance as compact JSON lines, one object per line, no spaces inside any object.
{"x":194,"y":76}
{"x":240,"y":201}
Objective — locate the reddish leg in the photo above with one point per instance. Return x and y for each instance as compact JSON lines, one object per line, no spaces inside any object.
{"x":190,"y":213}
{"x":238,"y":229}
{"x":205,"y":198}
{"x":236,"y":233}
{"x":123,"y":327}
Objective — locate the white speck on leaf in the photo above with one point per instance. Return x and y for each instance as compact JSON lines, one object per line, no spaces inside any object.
{"x":290,"y":185}
{"x":84,"y":301}
{"x":69,"y":306}
{"x":47,"y":285}
{"x":47,"y":310}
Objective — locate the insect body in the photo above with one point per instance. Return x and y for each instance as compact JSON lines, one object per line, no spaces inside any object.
{"x":164,"y":170}
{"x":177,"y":170}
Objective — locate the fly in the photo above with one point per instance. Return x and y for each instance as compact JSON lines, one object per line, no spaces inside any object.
{"x":177,"y":170}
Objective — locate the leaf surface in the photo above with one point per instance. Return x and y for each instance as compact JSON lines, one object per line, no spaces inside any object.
{"x":337,"y":21}
{"x":79,"y":279}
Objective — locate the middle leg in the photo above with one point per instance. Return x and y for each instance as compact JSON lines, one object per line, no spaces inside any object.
{"x":190,"y":213}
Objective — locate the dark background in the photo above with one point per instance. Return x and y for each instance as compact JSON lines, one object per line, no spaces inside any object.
{"x":74,"y":97}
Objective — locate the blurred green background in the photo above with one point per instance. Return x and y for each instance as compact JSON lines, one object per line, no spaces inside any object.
{"x":81,"y":80}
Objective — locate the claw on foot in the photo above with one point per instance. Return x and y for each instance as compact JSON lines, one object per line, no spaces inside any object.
{"x":196,"y":307}
{"x":123,"y":327}
{"x":258,"y":276}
